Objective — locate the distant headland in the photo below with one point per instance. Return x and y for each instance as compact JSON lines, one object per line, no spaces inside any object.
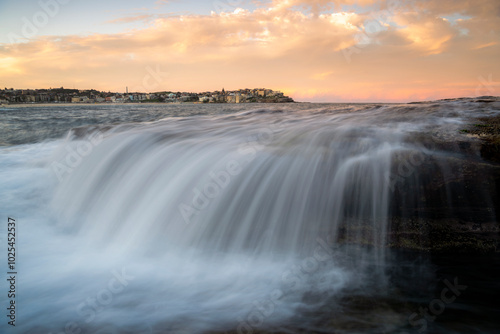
{"x":63,"y":95}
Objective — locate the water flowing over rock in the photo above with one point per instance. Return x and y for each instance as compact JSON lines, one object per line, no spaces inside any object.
{"x":282,"y":218}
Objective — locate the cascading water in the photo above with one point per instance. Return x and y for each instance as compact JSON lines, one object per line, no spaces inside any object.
{"x":242,"y":222}
{"x":258,"y":184}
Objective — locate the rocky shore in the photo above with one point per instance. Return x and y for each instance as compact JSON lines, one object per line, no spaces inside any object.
{"x":451,"y":203}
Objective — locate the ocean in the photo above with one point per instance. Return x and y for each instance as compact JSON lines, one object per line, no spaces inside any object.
{"x":250,"y":218}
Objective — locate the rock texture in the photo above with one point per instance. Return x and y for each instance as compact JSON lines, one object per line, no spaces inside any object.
{"x":454,"y":206}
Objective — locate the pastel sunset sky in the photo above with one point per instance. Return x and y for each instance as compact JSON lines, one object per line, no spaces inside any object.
{"x":315,"y":50}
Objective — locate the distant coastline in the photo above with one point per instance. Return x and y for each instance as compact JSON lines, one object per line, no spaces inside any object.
{"x":52,"y":104}
{"x":10,"y":96}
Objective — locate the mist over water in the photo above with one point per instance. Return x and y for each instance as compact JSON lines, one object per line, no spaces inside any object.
{"x":163,"y":220}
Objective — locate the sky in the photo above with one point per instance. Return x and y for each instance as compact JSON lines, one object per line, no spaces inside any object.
{"x":312,"y":50}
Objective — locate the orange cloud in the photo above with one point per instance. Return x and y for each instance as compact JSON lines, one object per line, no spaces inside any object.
{"x":415,"y":54}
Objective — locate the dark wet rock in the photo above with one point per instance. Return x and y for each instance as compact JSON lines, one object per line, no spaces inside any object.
{"x":445,"y":197}
{"x":453,"y":203}
{"x":487,"y":129}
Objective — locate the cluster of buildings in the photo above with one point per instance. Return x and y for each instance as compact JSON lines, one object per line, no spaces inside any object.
{"x":238,"y":96}
{"x":62,"y":95}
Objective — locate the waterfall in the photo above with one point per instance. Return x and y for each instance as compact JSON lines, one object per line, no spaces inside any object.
{"x":265,"y":184}
{"x":242,"y":221}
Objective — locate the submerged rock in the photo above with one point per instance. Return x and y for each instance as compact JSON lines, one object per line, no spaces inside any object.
{"x":453,"y":203}
{"x":444,"y":188}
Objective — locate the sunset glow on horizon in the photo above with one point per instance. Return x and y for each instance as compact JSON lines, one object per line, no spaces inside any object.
{"x":318,"y":51}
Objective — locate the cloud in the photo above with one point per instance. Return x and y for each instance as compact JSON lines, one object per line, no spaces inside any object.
{"x":297,"y":46}
{"x":133,"y":18}
{"x":323,"y":76}
{"x":485,"y":45}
